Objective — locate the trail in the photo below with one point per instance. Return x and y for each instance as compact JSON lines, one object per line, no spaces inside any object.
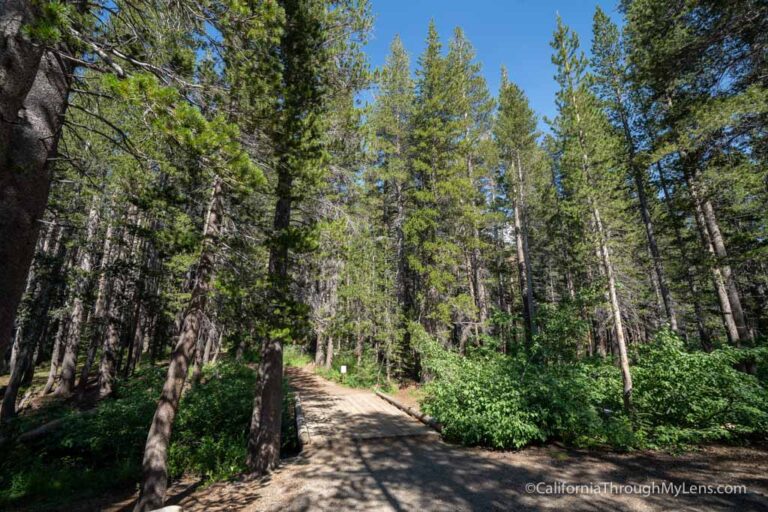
{"x":367,"y":455}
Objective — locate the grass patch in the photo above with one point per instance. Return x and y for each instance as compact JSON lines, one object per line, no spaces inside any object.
{"x":296,"y":356}
{"x":367,"y":374}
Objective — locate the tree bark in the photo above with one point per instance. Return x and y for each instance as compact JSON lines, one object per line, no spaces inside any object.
{"x":56,"y":355}
{"x":704,"y":335}
{"x":329,"y":352}
{"x":31,"y":330}
{"x":717,"y":275}
{"x":605,"y":256}
{"x":68,"y":366}
{"x":319,"y":349}
{"x":34,"y":86}
{"x":100,"y":308}
{"x":653,"y":246}
{"x":210,"y":341}
{"x":155,"y":463}
{"x":613,"y":298}
{"x":718,"y":244}
{"x":264,"y":435}
{"x":359,"y":347}
{"x":523,"y":256}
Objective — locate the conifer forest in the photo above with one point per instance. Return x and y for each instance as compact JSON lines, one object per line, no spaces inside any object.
{"x":206,"y":204}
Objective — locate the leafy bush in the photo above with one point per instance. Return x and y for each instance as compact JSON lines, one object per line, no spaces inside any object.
{"x":104,"y":447}
{"x":367,"y":374}
{"x":683,"y":397}
{"x":211,"y":428}
{"x":509,"y":401}
{"x":478,"y":402}
{"x":295,"y":355}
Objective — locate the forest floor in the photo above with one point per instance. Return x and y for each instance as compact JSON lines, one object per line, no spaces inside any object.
{"x":384,"y":460}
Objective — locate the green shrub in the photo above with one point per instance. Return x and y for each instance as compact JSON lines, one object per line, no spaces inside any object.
{"x":510,"y":401}
{"x":295,"y":355}
{"x":367,"y":374}
{"x":104,"y":448}
{"x":478,"y":402}
{"x":690,"y":397}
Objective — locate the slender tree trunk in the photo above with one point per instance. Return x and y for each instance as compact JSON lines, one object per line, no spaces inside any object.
{"x":155,"y":463}
{"x":359,"y":347}
{"x":68,"y":366}
{"x":645,"y":214}
{"x":100,"y":309}
{"x":320,"y":349}
{"x":717,"y":275}
{"x":704,"y":335}
{"x":329,"y":352}
{"x":718,"y":244}
{"x":523,"y":256}
{"x":108,"y":363}
{"x":210,"y":341}
{"x":34,"y":86}
{"x":264,"y":436}
{"x":613,"y":298}
{"x":217,"y":347}
{"x":34,"y":323}
{"x":8,"y":407}
{"x":472,"y":293}
{"x":653,"y":246}
{"x":56,"y":355}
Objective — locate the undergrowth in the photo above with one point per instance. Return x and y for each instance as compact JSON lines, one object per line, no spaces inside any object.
{"x":104,"y":447}
{"x":681,"y":398}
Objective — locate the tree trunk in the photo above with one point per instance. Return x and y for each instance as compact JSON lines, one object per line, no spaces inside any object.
{"x":653,"y":246}
{"x":704,"y":335}
{"x":264,"y":435}
{"x":329,"y":352}
{"x":359,"y":347}
{"x":718,"y":244}
{"x":523,"y":256}
{"x":108,"y":363}
{"x":34,"y":85}
{"x":32,"y":328}
{"x":210,"y":342}
{"x":8,"y":408}
{"x":56,"y":355}
{"x":645,"y":214}
{"x":100,"y":309}
{"x":155,"y":463}
{"x":717,"y":275}
{"x":69,"y":363}
{"x":319,"y":349}
{"x":613,"y":298}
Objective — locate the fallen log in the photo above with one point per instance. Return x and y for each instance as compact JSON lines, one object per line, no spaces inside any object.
{"x":301,"y":425}
{"x":425,"y":419}
{"x":47,"y":428}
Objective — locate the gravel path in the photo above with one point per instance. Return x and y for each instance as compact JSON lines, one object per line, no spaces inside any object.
{"x":399,"y":472}
{"x":334,"y":413}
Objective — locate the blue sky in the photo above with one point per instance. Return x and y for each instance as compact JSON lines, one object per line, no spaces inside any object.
{"x":515,"y":33}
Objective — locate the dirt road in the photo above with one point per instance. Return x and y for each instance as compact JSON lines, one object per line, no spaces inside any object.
{"x":395,"y":465}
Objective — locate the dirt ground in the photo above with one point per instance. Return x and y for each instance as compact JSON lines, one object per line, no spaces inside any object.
{"x":422,"y":473}
{"x":408,"y":474}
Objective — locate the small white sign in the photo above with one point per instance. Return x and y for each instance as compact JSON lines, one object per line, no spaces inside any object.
{"x":343,"y":369}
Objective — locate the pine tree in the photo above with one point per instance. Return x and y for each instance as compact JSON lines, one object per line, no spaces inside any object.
{"x":388,"y":179}
{"x":515,"y":133}
{"x":681,"y":64}
{"x":613,"y":87}
{"x":473,"y":116}
{"x":299,"y":155}
{"x":588,"y":171}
